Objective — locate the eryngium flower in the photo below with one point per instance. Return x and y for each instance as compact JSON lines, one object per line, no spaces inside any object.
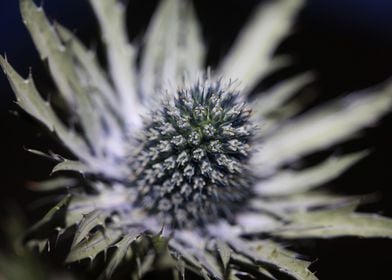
{"x":191,"y":166}
{"x":178,"y":172}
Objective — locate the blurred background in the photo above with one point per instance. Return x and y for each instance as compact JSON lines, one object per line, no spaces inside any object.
{"x":347,"y":43}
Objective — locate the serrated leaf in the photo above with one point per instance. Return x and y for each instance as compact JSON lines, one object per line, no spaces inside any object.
{"x":249,"y":58}
{"x":272,"y":254}
{"x":195,"y":260}
{"x":120,"y":253}
{"x":325,"y":126}
{"x":108,"y":200}
{"x":244,"y":262}
{"x":121,"y":57}
{"x":290,"y":182}
{"x":31,"y":101}
{"x":337,"y":222}
{"x":89,"y":221}
{"x":62,"y":70}
{"x":50,"y":219}
{"x":173,"y":48}
{"x":96,"y":243}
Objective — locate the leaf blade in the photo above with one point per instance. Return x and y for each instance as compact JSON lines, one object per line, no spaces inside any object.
{"x":290,"y":182}
{"x":331,"y":123}
{"x":249,"y":58}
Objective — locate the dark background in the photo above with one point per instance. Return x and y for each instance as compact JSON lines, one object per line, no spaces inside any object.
{"x":348,"y":44}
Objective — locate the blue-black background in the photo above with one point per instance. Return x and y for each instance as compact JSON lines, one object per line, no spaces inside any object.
{"x":348,"y":43}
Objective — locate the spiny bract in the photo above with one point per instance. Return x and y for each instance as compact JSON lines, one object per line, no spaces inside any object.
{"x":194,"y":187}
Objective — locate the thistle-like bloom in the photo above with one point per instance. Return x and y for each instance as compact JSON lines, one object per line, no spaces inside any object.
{"x":181,"y":167}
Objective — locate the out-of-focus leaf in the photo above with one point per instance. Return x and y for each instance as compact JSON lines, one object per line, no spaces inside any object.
{"x":302,"y":202}
{"x":21,"y":267}
{"x":111,"y":143}
{"x":224,"y":253}
{"x":51,"y":217}
{"x":173,"y":48}
{"x":337,"y":222}
{"x":146,"y":265}
{"x":255,"y":222}
{"x":121,"y":57}
{"x":53,"y":184}
{"x":321,"y":128}
{"x":71,"y":165}
{"x":41,"y":244}
{"x":250,"y":56}
{"x":87,"y":59}
{"x":282,"y":115}
{"x":196,"y":263}
{"x":122,"y":248}
{"x":94,"y":244}
{"x":290,"y":182}
{"x":274,"y":98}
{"x":272,"y":254}
{"x":89,"y":221}
{"x":81,"y":205}
{"x":244,"y":262}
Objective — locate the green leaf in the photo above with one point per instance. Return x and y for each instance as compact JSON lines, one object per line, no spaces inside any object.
{"x":323,"y":127}
{"x":252,"y":222}
{"x":122,"y":247}
{"x":41,"y":244}
{"x":337,"y":222}
{"x":53,"y":184}
{"x":287,"y":111}
{"x":31,"y":101}
{"x":89,"y":222}
{"x":224,"y":253}
{"x":71,"y":165}
{"x":196,"y":260}
{"x":160,"y":244}
{"x":250,"y":57}
{"x":240,"y":263}
{"x":106,"y":200}
{"x":272,"y":254}
{"x":51,"y":216}
{"x":275,"y":97}
{"x":63,"y":70}
{"x":94,"y":244}
{"x":290,"y":182}
{"x":87,"y":60}
{"x":301,"y":202}
{"x":173,"y":48}
{"x":121,"y":57}
{"x":102,"y":94}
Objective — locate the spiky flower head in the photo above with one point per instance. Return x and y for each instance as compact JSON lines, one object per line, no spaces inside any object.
{"x":191,"y":165}
{"x":193,"y":187}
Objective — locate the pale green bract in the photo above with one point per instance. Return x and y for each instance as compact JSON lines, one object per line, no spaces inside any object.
{"x":109,"y":107}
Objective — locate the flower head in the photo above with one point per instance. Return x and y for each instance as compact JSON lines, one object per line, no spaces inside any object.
{"x":188,"y":176}
{"x":191,"y":165}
